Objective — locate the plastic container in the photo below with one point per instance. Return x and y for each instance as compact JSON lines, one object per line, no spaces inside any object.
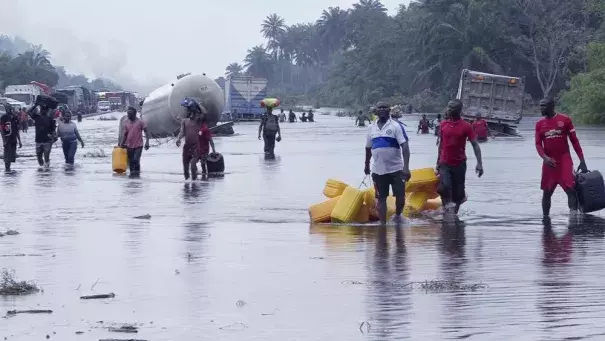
{"x":321,"y":213}
{"x":422,"y":180}
{"x":119,"y":160}
{"x":432,"y":204}
{"x":348,"y":206}
{"x":416,"y":200}
{"x":334,"y":188}
{"x":363,"y":216}
{"x":591,"y":191}
{"x":215,"y":163}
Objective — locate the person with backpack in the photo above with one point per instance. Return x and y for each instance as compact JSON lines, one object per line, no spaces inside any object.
{"x":269,"y":128}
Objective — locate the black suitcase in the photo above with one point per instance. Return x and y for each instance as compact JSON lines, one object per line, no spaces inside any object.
{"x":47,"y":101}
{"x":215,"y":163}
{"x":591,"y":191}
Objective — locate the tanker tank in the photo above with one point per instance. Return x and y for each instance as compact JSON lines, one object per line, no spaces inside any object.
{"x":162,"y":110}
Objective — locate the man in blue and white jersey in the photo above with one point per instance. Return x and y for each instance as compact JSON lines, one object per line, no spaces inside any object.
{"x":387,"y":142}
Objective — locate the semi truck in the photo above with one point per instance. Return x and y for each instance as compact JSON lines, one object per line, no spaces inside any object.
{"x":243,"y":96}
{"x":26,"y":93}
{"x":498,"y":98}
{"x":77,"y":97}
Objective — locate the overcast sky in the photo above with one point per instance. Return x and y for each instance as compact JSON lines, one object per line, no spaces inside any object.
{"x":152,"y":40}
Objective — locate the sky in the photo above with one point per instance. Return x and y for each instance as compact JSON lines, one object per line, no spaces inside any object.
{"x":149,"y":42}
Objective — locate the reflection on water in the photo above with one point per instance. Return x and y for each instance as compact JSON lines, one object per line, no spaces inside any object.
{"x":208,"y":244}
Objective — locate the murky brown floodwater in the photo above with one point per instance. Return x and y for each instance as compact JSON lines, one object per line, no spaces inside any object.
{"x":246,"y":237}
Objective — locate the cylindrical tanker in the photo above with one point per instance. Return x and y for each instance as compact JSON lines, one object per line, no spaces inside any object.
{"x":162,"y":110}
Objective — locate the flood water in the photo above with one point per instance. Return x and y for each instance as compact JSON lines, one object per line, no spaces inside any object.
{"x":234,"y":258}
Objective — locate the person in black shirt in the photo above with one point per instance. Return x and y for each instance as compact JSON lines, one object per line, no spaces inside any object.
{"x":10,"y":136}
{"x":46,"y":127}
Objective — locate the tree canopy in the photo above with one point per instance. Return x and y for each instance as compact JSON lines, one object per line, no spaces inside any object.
{"x":357,"y":56}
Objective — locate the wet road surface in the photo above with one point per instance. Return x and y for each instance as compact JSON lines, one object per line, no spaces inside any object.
{"x":234,"y":258}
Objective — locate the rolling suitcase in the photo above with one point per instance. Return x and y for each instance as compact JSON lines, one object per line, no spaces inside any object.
{"x":591,"y":191}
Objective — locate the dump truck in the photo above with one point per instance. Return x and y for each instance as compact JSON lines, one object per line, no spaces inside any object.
{"x":498,"y":98}
{"x":242,"y":97}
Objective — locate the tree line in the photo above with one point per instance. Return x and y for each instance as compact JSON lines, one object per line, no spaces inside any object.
{"x":357,"y":56}
{"x":22,"y":62}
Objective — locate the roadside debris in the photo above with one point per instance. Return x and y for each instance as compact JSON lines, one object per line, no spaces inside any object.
{"x":144,"y":216}
{"x":35,"y":311}
{"x":124,"y":329}
{"x":98,"y":297}
{"x":9,"y":233}
{"x":10,"y":286}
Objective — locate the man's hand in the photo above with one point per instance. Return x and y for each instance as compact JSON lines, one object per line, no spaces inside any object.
{"x":278,"y":138}
{"x":147,"y":146}
{"x":366,"y":169}
{"x":82,"y":143}
{"x":178,"y":143}
{"x":549,"y":161}
{"x":406,"y":174}
{"x":20,"y":145}
{"x":583,"y":167}
{"x":479,"y":170}
{"x":259,"y":137}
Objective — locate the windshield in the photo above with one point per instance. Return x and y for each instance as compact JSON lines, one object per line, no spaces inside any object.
{"x":25,"y":98}
{"x":103,"y":103}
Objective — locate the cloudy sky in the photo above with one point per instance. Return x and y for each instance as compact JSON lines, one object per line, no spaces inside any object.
{"x":152,"y":41}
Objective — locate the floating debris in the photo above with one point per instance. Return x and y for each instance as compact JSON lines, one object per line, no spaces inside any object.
{"x":36,"y":311}
{"x":98,"y":297}
{"x":348,"y":282}
{"x":234,"y":326}
{"x":127,"y":328}
{"x":23,"y":255}
{"x":144,"y":216}
{"x":99,"y":153}
{"x":240,"y":304}
{"x":10,"y":286}
{"x":365,"y":327}
{"x":438,"y":285}
{"x":11,"y":233}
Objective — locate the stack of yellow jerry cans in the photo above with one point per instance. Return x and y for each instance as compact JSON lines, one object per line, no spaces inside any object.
{"x":348,"y":204}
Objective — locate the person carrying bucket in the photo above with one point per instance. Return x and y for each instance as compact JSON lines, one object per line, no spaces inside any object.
{"x":269,"y":128}
{"x":133,"y":140}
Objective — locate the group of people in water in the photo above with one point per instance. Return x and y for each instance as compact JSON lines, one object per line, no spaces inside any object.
{"x":387,"y":145}
{"x":47,"y":132}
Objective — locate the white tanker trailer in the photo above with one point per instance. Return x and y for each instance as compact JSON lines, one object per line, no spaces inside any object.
{"x":162,"y":110}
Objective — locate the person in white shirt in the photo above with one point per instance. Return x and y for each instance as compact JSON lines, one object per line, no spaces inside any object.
{"x":387,"y":143}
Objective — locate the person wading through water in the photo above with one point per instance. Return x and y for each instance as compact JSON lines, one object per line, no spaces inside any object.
{"x":190,"y":128}
{"x":361,"y":119}
{"x":133,"y":140}
{"x":269,"y":128}
{"x":282,"y":116}
{"x":67,"y":131}
{"x":205,"y":142}
{"x":387,"y":143}
{"x":311,"y":116}
{"x":451,"y":157}
{"x":423,"y":125}
{"x":436,"y":123}
{"x":552,"y":133}
{"x":46,"y":128}
{"x":292,"y":117}
{"x":481,"y":128}
{"x":9,"y":122}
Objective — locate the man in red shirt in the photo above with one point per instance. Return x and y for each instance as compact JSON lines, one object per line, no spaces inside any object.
{"x":205,"y":142}
{"x":451,"y":157}
{"x":552,"y":132}
{"x":481,"y":129}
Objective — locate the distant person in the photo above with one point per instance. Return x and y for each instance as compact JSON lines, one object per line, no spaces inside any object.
{"x":409,"y":109}
{"x":134,"y":128}
{"x":190,"y":128}
{"x":67,"y":131}
{"x":451,"y":156}
{"x":311,"y":116}
{"x":423,"y":125}
{"x":481,"y":128}
{"x":436,"y":123}
{"x":269,"y":128}
{"x":9,"y":122}
{"x":282,"y":116}
{"x":292,"y":117}
{"x":234,"y":115}
{"x":361,"y":119}
{"x":24,"y":119}
{"x":205,"y":142}
{"x":387,"y":143}
{"x":46,"y":127}
{"x":303,"y":118}
{"x":552,"y":133}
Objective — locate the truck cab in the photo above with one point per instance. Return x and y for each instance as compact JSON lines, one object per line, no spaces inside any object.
{"x":498,"y":98}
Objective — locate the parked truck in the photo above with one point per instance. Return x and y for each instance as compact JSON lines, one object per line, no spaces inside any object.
{"x":498,"y":98}
{"x":26,"y":93}
{"x":243,"y":96}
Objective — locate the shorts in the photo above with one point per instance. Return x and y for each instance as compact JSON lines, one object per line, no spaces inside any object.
{"x":562,"y":174}
{"x":10,"y":152}
{"x":482,"y":139}
{"x":190,"y":153}
{"x":384,"y":181}
{"x":452,"y":182}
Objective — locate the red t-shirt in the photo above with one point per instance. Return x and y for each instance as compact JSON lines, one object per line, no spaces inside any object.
{"x":454,"y":135}
{"x":203,"y":139}
{"x":480,"y":128}
{"x":552,"y":135}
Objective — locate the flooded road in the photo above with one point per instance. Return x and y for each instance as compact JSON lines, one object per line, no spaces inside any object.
{"x":234,"y":258}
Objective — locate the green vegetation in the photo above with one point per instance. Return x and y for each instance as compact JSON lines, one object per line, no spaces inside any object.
{"x":358,"y":56}
{"x":22,"y":62}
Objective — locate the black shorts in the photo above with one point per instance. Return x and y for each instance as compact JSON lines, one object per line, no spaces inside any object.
{"x":10,"y":152}
{"x":451,"y":182}
{"x":383,"y":182}
{"x":481,"y":139}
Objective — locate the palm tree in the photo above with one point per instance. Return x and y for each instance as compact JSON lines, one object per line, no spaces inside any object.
{"x":233,"y":70}
{"x":273,"y":28}
{"x":258,"y":62}
{"x":332,"y":28}
{"x":372,"y":5}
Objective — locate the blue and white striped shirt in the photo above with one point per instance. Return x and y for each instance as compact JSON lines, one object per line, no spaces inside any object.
{"x":386,"y":146}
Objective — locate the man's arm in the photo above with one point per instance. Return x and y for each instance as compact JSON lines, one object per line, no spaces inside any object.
{"x":402,"y":139}
{"x":472,"y":137}
{"x":181,"y":132}
{"x":278,"y":128}
{"x":146,"y":136}
{"x":573,"y":138}
{"x":260,"y":127}
{"x":32,"y":111}
{"x":368,"y":150}
{"x":538,"y":142}
{"x":211,"y":141}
